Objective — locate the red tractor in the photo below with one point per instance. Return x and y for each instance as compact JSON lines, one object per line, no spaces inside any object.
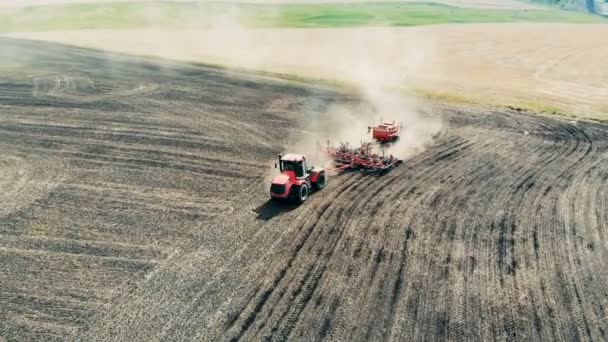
{"x":296,"y":181}
{"x":385,"y":132}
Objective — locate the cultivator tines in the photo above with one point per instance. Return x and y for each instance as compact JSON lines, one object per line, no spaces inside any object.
{"x":361,"y":159}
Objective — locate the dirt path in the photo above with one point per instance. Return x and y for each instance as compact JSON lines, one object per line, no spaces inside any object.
{"x":159,"y":226}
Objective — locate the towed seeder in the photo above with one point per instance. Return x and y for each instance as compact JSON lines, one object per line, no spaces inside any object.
{"x":361,"y":159}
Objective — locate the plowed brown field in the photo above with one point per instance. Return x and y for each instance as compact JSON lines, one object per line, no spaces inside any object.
{"x":133,"y":207}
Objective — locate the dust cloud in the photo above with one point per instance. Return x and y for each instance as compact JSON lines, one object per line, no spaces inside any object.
{"x":380,"y":86}
{"x":371,"y":60}
{"x":361,"y":62}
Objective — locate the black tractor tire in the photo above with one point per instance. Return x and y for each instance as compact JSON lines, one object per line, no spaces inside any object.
{"x":321,"y":182}
{"x":299,"y":194}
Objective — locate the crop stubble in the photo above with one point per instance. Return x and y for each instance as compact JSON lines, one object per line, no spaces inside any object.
{"x":134,"y":208}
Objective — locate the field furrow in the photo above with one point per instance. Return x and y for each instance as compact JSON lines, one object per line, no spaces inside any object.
{"x":134,"y":206}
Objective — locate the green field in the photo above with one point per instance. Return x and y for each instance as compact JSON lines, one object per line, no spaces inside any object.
{"x":200,"y":15}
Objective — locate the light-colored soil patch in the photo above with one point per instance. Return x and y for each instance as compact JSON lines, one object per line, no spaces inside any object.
{"x":25,"y":179}
{"x":549,"y":67}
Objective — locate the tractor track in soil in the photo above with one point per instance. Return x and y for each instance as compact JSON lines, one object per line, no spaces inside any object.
{"x":134,"y":207}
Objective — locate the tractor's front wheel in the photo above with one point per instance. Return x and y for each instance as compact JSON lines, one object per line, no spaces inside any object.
{"x":299,"y":194}
{"x":320,"y":183}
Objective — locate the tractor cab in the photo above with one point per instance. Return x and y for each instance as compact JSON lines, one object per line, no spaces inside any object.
{"x":296,"y":181}
{"x":293,"y":163}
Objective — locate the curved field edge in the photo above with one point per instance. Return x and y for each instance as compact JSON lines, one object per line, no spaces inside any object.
{"x":426,"y":93}
{"x":203,"y":15}
{"x":558,"y":69}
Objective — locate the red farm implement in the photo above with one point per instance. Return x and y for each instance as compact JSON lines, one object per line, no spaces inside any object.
{"x":385,"y":132}
{"x":361,"y":159}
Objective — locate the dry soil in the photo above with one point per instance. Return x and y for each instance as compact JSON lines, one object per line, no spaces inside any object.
{"x":134,"y":207}
{"x":547,"y":67}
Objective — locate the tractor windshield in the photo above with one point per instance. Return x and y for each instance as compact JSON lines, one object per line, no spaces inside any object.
{"x":296,"y":167}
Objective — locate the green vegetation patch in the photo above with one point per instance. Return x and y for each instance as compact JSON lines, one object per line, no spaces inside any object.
{"x":409,"y":14}
{"x":201,"y":15}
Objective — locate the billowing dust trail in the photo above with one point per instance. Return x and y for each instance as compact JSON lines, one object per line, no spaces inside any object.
{"x":157,"y":225}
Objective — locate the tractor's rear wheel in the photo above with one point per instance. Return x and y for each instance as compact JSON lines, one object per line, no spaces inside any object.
{"x":299,"y":194}
{"x":321,"y":181}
